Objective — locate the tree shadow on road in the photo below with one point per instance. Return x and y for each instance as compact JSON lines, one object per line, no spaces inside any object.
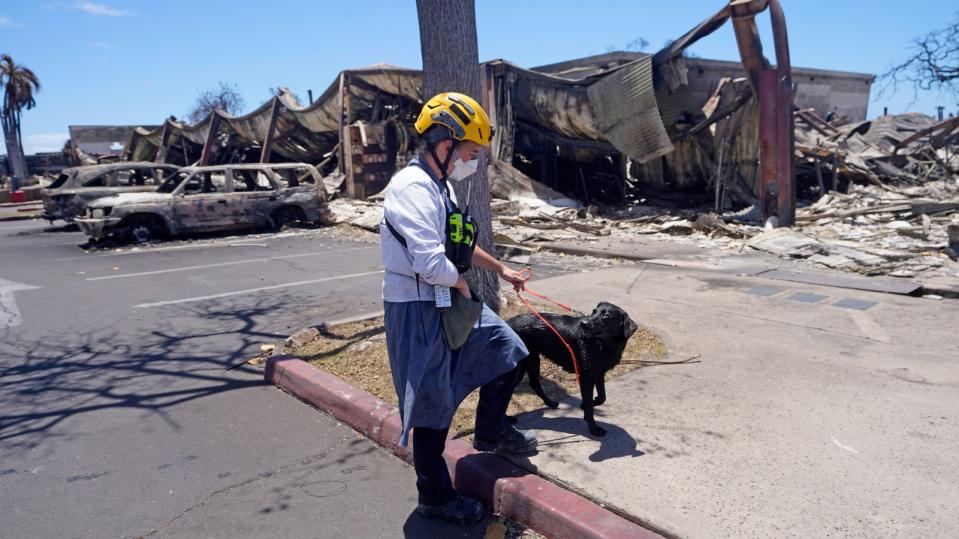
{"x":83,"y":369}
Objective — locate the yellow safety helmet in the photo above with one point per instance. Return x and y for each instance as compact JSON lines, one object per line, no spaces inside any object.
{"x":464,"y":117}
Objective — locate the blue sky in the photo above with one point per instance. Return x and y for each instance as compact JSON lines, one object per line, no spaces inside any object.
{"x":136,"y":62}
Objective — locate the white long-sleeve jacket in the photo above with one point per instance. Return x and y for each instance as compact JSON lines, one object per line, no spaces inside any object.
{"x":415,"y":205}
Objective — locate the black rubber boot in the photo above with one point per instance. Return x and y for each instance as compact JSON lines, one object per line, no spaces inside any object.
{"x":512,"y":440}
{"x":460,"y":510}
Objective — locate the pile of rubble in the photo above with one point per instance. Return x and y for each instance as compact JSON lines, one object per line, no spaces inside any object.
{"x":904,"y":150}
{"x":867,"y":231}
{"x":899,"y":215}
{"x":887,"y":204}
{"x":873,"y":231}
{"x":878,"y":236}
{"x":359,"y":213}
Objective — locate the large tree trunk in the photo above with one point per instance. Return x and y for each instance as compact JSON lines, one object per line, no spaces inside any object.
{"x":451,"y":64}
{"x":18,"y":166}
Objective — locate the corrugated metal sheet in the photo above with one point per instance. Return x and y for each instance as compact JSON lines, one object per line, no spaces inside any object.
{"x":674,"y":104}
{"x":624,"y":103}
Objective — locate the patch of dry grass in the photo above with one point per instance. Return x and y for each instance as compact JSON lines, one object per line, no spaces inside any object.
{"x":357,"y":353}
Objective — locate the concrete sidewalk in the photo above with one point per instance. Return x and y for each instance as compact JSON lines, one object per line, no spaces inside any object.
{"x":815,"y":412}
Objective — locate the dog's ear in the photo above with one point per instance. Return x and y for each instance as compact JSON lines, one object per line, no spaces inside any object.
{"x":629,"y":327}
{"x":585,"y":324}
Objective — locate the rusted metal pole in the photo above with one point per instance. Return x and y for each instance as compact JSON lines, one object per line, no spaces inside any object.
{"x":778,"y":21}
{"x":768,"y":140}
{"x":785,"y":158}
{"x":747,"y":38}
{"x":210,"y":138}
{"x":268,"y":140}
{"x":785,"y":129}
{"x":777,"y":181}
{"x":777,"y":178}
{"x":763,"y":81}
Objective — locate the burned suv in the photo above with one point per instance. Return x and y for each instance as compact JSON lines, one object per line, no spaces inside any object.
{"x":206,"y":199}
{"x":67,"y":197}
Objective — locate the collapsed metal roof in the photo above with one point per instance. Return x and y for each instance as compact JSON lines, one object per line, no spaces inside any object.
{"x":302,"y":133}
{"x":100,"y":139}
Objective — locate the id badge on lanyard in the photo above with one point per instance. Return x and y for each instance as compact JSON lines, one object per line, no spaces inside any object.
{"x":442,"y":296}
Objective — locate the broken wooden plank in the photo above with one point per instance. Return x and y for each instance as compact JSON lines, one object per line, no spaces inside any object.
{"x":596,"y":230}
{"x":530,"y":224}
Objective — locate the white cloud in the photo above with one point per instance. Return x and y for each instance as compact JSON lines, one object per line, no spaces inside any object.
{"x":44,"y":142}
{"x":102,"y":9}
{"x":7,"y":21}
{"x":98,"y":45}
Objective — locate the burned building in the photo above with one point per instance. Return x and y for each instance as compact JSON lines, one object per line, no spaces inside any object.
{"x":845,"y":94}
{"x":599,"y":128}
{"x":686,"y":92}
{"x":89,"y":144}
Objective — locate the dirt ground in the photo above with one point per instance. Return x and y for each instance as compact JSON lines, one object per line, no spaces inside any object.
{"x":357,"y":353}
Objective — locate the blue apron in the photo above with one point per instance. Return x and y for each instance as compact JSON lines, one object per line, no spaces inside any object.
{"x":430,"y":379}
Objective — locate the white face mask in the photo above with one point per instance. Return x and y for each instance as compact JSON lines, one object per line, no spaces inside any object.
{"x":464,"y":169}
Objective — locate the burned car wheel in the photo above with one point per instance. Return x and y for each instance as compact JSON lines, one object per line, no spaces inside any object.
{"x":142,"y":229}
{"x":286,"y":215}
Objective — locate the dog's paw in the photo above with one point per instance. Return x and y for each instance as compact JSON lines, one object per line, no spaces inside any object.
{"x":551,"y":404}
{"x":598,"y":401}
{"x":596,"y":430}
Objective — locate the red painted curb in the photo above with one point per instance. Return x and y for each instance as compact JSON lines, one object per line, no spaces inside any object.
{"x":351,"y":405}
{"x":510,"y":490}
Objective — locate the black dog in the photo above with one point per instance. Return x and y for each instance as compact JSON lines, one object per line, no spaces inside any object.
{"x":597,"y":339}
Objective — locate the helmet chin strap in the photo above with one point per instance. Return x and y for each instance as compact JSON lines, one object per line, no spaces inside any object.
{"x":446,"y":162}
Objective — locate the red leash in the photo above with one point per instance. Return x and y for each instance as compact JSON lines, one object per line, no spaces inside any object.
{"x":550,"y":326}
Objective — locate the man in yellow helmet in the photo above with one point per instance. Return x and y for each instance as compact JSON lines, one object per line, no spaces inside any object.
{"x":427,"y":242}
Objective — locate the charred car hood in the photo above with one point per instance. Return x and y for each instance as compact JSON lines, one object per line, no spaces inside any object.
{"x":132,"y":198}
{"x":70,"y":191}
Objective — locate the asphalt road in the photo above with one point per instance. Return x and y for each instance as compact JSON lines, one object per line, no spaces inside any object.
{"x":120,"y":416}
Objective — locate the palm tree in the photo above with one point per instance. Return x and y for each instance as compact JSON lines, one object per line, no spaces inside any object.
{"x":19,"y":84}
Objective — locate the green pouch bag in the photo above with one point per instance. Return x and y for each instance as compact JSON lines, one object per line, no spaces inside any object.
{"x":459,"y":319}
